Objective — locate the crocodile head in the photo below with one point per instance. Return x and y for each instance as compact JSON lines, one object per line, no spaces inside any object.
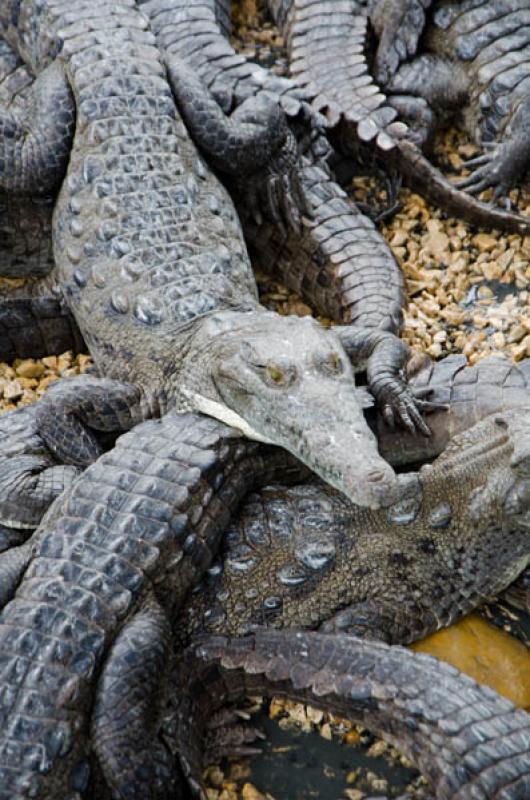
{"x":288,"y":381}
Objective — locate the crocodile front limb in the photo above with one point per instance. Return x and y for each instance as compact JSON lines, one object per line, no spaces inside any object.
{"x":468,"y":742}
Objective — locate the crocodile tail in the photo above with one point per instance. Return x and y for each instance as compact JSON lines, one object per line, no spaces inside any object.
{"x":327,"y":40}
{"x":467,"y":740}
{"x":429,"y":181}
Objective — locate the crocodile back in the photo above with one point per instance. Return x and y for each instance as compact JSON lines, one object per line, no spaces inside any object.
{"x":145,"y":237}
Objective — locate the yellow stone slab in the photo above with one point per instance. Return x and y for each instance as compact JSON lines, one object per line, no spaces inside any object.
{"x":489,"y":655}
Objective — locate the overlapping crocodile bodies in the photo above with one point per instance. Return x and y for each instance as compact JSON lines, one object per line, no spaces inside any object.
{"x":475,"y":58}
{"x":319,"y":53}
{"x":151,"y":259}
{"x":459,"y":533}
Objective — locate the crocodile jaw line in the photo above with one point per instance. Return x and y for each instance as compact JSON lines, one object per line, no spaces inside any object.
{"x":224,"y":414}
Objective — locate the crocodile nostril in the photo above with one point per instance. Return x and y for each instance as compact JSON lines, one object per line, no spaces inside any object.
{"x":375,"y":476}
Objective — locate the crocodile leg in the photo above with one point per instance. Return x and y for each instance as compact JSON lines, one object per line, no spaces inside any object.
{"x":398,"y":25}
{"x":66,"y":414}
{"x":128,"y":705}
{"x":385,"y":622}
{"x":34,"y":146}
{"x":28,"y":486}
{"x":428,"y":82}
{"x":503,"y":164}
{"x":30,"y":478}
{"x":453,"y":729}
{"x":385,"y":356}
{"x":254,"y":139}
{"x":35,"y":322}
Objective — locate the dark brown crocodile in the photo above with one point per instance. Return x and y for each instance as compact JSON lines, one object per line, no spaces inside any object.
{"x":151,"y":260}
{"x":86,"y":640}
{"x":474,"y":67}
{"x":329,"y":51}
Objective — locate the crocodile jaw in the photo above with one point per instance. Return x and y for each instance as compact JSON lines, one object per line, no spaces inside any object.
{"x":224,"y":414}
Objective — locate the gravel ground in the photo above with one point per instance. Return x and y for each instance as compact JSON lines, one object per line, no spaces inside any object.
{"x":468,"y":292}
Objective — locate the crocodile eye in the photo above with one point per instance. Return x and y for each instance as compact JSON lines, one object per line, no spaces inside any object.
{"x":331,"y":364}
{"x":275,"y":374}
{"x":280,"y":377}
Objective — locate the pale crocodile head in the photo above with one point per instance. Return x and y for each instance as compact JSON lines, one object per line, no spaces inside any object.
{"x":288,"y":381}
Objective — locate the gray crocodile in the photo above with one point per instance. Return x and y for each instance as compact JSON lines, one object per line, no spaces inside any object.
{"x":447,"y":742}
{"x":151,"y":260}
{"x":86,"y":640}
{"x":338,"y":263}
{"x":329,"y":48}
{"x":474,"y":66}
{"x":460,"y":396}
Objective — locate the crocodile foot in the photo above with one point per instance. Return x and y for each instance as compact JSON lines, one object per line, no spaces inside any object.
{"x":502,"y":164}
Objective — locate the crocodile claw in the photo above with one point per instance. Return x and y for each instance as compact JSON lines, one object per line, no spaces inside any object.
{"x":404,"y":407}
{"x":285,"y":198}
{"x":496,"y":168}
{"x":421,"y":393}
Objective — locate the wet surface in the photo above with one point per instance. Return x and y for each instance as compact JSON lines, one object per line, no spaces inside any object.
{"x":298,"y":766}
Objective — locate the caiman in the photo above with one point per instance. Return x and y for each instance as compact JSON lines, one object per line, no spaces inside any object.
{"x":86,"y":641}
{"x":474,"y":66}
{"x":151,"y":260}
{"x":330,"y":51}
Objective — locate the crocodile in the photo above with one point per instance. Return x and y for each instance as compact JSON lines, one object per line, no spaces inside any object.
{"x":151,"y":260}
{"x":460,"y":396}
{"x":338,"y":263}
{"x":475,"y":66}
{"x":86,"y":641}
{"x":329,"y":50}
{"x":458,"y":534}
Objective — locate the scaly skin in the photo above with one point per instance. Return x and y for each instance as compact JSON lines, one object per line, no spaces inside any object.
{"x":151,"y":260}
{"x":414,"y":701}
{"x":25,"y":222}
{"x":463,"y":394}
{"x":338,"y":262}
{"x":86,"y":638}
{"x":328,"y":50}
{"x":476,"y":59}
{"x":35,"y":322}
{"x":122,"y":547}
{"x":304,"y":557}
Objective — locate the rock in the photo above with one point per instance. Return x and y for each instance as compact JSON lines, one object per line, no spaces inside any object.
{"x":486,"y":653}
{"x":484,"y":242}
{"x":249,"y":792}
{"x":13,"y":391}
{"x":30,"y":369}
